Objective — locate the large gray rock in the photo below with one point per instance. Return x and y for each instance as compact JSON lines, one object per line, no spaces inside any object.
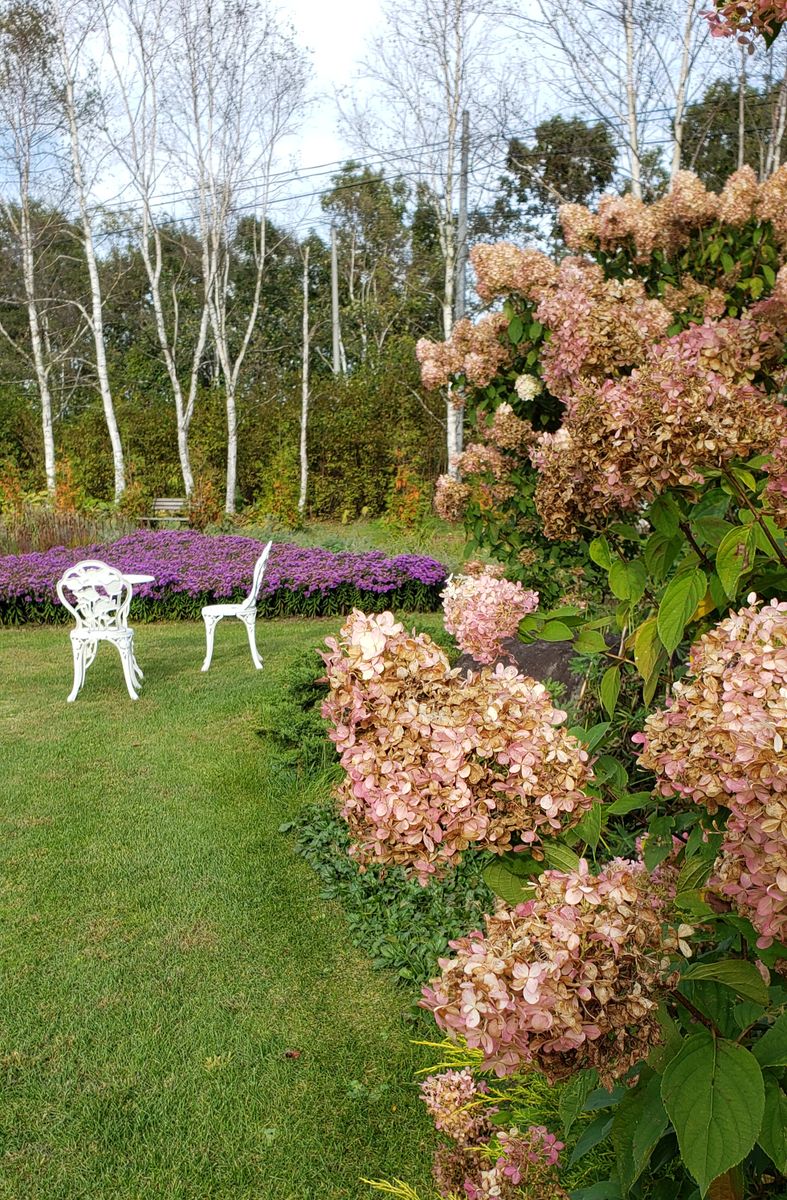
{"x":540,"y":660}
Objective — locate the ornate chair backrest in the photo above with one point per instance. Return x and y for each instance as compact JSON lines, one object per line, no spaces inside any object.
{"x":96,"y":595}
{"x":259,"y":571}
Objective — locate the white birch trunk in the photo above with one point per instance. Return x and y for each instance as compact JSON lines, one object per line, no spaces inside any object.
{"x":304,"y":387}
{"x":97,"y":314}
{"x":778,"y":128}
{"x":631,"y":102}
{"x":681,"y":88}
{"x":37,"y":345}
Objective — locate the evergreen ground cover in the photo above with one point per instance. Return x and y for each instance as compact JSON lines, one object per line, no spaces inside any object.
{"x":181,"y":1015}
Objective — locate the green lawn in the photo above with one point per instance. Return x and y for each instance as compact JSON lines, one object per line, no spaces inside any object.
{"x":180,"y":1015}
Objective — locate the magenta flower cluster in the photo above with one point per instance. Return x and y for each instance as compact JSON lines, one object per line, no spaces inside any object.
{"x":566,"y":980}
{"x":722,"y":741}
{"x":482,"y":610}
{"x":434,"y":762}
{"x":196,"y":567}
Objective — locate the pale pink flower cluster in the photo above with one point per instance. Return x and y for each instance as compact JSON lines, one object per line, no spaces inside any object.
{"x":721,"y":742}
{"x":435,"y":762}
{"x":502,"y":269}
{"x":689,"y":406}
{"x":668,"y":223}
{"x":745,"y":19}
{"x":481,"y":611}
{"x":598,"y":326}
{"x":477,"y":351}
{"x":567,"y":980}
{"x":454,"y":1104}
{"x":527,"y":387}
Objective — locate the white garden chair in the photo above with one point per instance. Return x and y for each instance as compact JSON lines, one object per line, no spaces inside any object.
{"x":98,"y":597}
{"x":246,"y":612}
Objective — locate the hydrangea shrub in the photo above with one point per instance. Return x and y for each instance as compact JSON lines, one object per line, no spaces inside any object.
{"x":639,"y":412}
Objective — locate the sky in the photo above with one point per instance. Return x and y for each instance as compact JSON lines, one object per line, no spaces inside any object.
{"x":336,"y":33}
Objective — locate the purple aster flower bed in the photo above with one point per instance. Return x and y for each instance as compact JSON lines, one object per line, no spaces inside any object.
{"x":192,"y":569}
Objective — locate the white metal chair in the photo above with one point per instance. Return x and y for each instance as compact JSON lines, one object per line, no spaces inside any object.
{"x":246,"y":612}
{"x":98,"y":597}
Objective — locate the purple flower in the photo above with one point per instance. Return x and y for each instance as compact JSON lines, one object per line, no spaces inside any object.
{"x":188,"y":564}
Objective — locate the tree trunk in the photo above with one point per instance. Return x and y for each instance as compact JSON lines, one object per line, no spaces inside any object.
{"x":304,"y":385}
{"x":631,"y":102}
{"x":778,"y":127}
{"x":97,"y":317}
{"x":36,"y":340}
{"x":680,"y":91}
{"x":742,"y":110}
{"x":232,"y":447}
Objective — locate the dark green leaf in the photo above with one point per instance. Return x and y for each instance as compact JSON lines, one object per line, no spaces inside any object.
{"x":660,"y":553}
{"x":639,"y":1123}
{"x":664,"y":515}
{"x":629,"y":803}
{"x":556,"y":631}
{"x":714,"y":1094}
{"x":589,"y":641}
{"x":574,"y":1095}
{"x":628,"y":580}
{"x":734,"y":556}
{"x":560,"y":856}
{"x":600,"y":552}
{"x":592,"y":1134}
{"x":606,"y":1189}
{"x":515,"y":330}
{"x":589,"y":828}
{"x":773,"y":1135}
{"x":693,"y":874}
{"x":678,"y":603}
{"x":771,"y":1049}
{"x":510,"y":886}
{"x":610,"y":689}
{"x":735,"y":973}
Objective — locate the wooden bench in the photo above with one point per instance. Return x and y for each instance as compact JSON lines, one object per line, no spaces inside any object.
{"x":168,"y":508}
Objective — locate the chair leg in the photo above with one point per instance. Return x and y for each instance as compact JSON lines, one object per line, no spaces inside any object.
{"x":249,"y":620}
{"x":126,"y":652}
{"x":78,"y":649}
{"x":210,"y":630}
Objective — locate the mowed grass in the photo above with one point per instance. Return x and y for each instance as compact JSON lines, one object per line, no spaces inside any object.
{"x":180,"y":1015}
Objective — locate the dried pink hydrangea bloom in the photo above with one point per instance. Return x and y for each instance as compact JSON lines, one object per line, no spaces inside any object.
{"x":502,"y":268}
{"x":721,"y":742}
{"x":451,"y":498}
{"x":690,"y":405}
{"x":597,"y":326}
{"x":745,"y":19}
{"x":776,"y":488}
{"x":481,"y":611}
{"x":452,"y":1098}
{"x":476,"y":351}
{"x":567,"y":980}
{"x":738,"y":200}
{"x":434,"y":762}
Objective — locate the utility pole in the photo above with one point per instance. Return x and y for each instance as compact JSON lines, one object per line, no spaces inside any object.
{"x":338,"y":349}
{"x":461,"y":227}
{"x":304,"y":382}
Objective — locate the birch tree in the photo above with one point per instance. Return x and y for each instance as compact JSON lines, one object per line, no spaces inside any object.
{"x":29,"y":113}
{"x":434,"y":59}
{"x":139,"y":63}
{"x":73,"y":24}
{"x":235,"y":88}
{"x":304,"y":457}
{"x":633,"y":64}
